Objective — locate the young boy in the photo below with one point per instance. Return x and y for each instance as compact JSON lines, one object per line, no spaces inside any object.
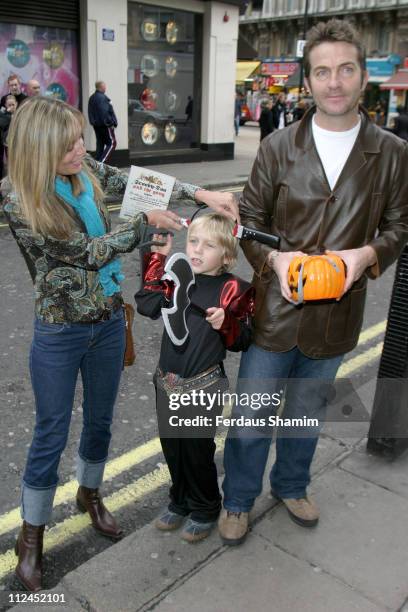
{"x":228,"y":303}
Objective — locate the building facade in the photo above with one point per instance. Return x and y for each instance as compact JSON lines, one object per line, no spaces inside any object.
{"x":169,"y":67}
{"x":274,"y":27}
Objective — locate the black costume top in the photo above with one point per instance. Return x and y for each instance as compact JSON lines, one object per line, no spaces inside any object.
{"x":205,"y":346}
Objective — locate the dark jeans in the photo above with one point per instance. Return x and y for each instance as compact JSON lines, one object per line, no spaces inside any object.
{"x":245,"y":457}
{"x":58,"y":353}
{"x":105,"y":142}
{"x":190,"y":460}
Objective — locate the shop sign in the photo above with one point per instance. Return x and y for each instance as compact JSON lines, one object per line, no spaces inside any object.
{"x":279,"y":68}
{"x":378,"y":67}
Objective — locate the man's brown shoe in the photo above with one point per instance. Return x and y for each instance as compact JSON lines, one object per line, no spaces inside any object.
{"x":29,"y":548}
{"x":303,"y":511}
{"x":89,"y":500}
{"x":233,"y":527}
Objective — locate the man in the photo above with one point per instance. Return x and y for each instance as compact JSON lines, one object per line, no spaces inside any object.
{"x":14,"y":85}
{"x":237,"y":112}
{"x":33,"y":88}
{"x":333,"y":181}
{"x":280,"y":114}
{"x":103,"y":119}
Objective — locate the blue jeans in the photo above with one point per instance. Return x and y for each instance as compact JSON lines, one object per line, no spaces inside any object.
{"x":58,"y":353}
{"x":245,"y":457}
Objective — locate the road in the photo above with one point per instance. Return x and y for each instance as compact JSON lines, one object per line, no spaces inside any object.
{"x":137,"y":478}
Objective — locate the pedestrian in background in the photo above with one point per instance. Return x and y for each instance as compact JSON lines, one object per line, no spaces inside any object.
{"x":280,"y":112}
{"x":55,"y":213}
{"x":189,"y":110}
{"x":103,"y":119}
{"x":266,"y":122}
{"x":14,"y":86}
{"x":237,"y":113}
{"x":33,"y":88}
{"x":5,"y":120}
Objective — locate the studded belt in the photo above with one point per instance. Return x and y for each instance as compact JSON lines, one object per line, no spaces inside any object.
{"x":173,"y":383}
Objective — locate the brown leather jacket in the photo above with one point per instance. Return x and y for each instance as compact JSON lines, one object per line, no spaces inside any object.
{"x":288,"y":194}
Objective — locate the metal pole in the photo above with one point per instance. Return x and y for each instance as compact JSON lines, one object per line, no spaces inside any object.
{"x":305,"y":18}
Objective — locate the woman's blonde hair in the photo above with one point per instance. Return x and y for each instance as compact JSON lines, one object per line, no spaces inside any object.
{"x":42,"y":132}
{"x":221,"y":230}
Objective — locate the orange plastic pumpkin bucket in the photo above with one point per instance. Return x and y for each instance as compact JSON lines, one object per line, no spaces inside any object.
{"x":316,"y":277}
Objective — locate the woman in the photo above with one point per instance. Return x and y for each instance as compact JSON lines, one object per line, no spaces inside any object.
{"x":55,"y":211}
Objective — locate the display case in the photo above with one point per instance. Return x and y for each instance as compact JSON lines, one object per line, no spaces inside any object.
{"x":162,"y":68}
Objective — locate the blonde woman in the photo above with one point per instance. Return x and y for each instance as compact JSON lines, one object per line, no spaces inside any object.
{"x":56,"y":214}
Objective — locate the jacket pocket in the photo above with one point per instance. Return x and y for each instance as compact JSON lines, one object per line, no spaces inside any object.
{"x":346,"y":317}
{"x":281,"y":207}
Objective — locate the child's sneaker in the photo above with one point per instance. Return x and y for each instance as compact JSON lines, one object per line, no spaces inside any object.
{"x":194,"y":531}
{"x":168,"y":521}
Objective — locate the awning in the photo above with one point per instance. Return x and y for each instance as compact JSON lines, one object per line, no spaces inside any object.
{"x":398,"y":81}
{"x":378,"y":79}
{"x":244,"y":70}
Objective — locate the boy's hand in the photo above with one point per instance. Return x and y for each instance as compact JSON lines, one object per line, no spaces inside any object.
{"x":166,"y":248}
{"x":215,"y":317}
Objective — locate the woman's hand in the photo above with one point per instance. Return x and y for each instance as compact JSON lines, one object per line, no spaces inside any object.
{"x":166,"y":248}
{"x":165,"y":219}
{"x":215,"y":317}
{"x":222,"y":202}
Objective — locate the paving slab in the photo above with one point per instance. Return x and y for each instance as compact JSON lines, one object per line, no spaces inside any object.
{"x":258,"y":576}
{"x":392,"y":475}
{"x":361,"y":539}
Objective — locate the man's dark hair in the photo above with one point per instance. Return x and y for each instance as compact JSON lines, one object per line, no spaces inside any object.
{"x":334,"y":30}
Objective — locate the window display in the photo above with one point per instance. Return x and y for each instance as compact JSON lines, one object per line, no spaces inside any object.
{"x":161,"y":53}
{"x":49,"y":55}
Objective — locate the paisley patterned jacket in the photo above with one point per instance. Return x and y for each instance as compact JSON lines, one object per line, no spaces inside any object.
{"x":65,"y":272}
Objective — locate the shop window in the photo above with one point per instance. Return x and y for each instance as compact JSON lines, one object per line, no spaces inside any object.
{"x":49,"y":55}
{"x":162,"y":109}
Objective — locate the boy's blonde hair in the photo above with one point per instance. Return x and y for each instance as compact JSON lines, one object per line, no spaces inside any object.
{"x":221,"y":229}
{"x":43,"y":130}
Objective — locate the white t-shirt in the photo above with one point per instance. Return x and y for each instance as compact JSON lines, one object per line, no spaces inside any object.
{"x":334,"y":149}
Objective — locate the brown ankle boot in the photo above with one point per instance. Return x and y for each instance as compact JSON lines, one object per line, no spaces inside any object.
{"x":29,"y":548}
{"x":89,"y":500}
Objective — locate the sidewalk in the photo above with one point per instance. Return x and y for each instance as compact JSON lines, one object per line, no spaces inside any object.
{"x":220,"y":173}
{"x":356,"y":558}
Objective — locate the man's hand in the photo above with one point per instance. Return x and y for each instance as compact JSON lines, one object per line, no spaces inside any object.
{"x":279,"y":262}
{"x":165,"y":219}
{"x":215,"y":317}
{"x":357,"y":262}
{"x":222,"y":202}
{"x":166,"y":248}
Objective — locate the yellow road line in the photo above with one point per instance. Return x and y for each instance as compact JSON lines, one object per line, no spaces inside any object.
{"x":366,"y":358}
{"x":67,"y":492}
{"x":73,"y":525}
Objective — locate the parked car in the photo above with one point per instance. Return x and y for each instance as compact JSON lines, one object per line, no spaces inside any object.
{"x":245,"y":115}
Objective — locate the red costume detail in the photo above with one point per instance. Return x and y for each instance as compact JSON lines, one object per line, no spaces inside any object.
{"x":237,"y":296}
{"x":153,"y":271}
{"x":238,"y":301}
